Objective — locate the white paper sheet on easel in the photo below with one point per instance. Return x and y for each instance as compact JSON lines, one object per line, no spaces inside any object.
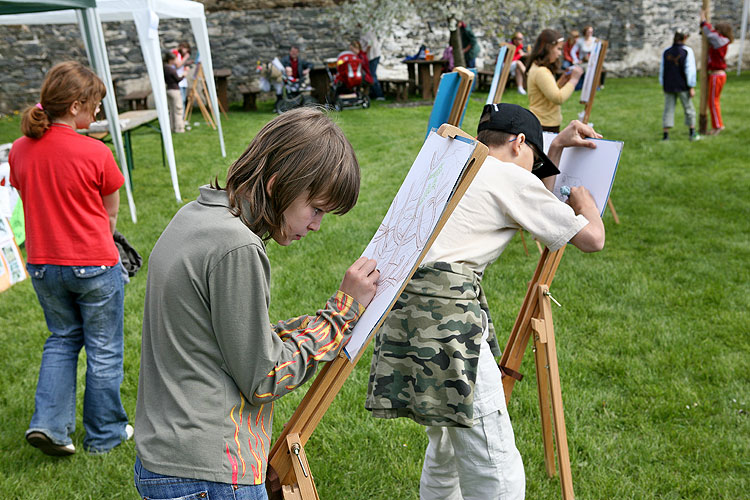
{"x":592,"y":168}
{"x":409,"y":224}
{"x":588,"y":78}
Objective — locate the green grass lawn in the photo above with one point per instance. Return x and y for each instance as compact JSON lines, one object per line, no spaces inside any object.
{"x":653,"y":337}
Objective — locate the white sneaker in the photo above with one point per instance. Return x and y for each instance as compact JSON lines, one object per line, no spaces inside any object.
{"x":129,"y":431}
{"x":521,"y":91}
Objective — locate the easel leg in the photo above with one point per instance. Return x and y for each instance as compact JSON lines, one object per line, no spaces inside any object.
{"x":305,"y":487}
{"x":523,"y":240}
{"x":612,"y":209}
{"x":543,"y":391}
{"x":546,"y":336}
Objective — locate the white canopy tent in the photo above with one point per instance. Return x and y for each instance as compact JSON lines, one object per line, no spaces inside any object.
{"x":146,"y":15}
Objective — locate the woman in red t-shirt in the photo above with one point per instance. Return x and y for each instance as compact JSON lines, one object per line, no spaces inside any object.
{"x":69,"y":187}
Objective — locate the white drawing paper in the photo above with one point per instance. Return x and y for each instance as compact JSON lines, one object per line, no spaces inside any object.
{"x":588,"y":78}
{"x":592,"y":168}
{"x":409,"y":224}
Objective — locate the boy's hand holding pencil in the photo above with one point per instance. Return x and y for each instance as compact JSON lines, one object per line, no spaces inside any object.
{"x":360,"y":280}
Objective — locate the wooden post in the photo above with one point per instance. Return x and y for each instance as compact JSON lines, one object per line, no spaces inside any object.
{"x":703,"y":119}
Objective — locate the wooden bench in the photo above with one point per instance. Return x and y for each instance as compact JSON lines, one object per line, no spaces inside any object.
{"x":396,"y":86}
{"x":137,"y":100}
{"x":248,"y":98}
{"x":484,"y":79}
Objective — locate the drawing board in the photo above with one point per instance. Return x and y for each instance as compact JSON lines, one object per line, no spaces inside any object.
{"x":409,"y":223}
{"x":592,"y":168}
{"x":496,"y":77}
{"x":446,"y":95}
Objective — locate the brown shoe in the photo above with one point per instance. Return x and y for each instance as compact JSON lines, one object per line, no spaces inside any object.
{"x":40,"y":440}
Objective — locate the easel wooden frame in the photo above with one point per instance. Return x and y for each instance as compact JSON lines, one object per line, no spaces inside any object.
{"x":535,"y":318}
{"x":504,"y":73}
{"x":462,"y":95}
{"x":197,"y":93}
{"x":590,"y":104}
{"x":331,"y":378}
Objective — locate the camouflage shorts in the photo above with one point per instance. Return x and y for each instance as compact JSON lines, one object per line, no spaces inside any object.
{"x":427,"y":351}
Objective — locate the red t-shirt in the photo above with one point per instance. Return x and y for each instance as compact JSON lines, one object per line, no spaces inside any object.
{"x":294,"y":64}
{"x":62,"y":177}
{"x":517,"y":53}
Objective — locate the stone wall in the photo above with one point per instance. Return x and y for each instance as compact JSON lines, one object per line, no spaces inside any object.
{"x":637,"y":30}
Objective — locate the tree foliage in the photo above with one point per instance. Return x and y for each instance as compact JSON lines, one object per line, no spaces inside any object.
{"x":507,"y":15}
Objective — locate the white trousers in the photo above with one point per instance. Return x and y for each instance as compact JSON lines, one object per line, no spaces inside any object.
{"x":174,"y":99}
{"x":480,"y":462}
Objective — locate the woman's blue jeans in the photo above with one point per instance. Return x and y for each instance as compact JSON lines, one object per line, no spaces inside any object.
{"x":83,"y":307}
{"x":152,"y":485}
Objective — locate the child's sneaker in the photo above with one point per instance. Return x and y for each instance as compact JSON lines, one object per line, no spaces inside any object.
{"x":40,"y":440}
{"x":521,"y":90}
{"x":129,"y":431}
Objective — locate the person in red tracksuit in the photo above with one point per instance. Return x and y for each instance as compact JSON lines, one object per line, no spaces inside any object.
{"x":719,"y":39}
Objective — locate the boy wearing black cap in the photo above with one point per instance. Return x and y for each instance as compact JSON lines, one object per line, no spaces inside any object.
{"x":434,"y":355}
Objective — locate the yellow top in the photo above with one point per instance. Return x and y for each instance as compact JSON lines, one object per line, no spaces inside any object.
{"x":545,"y":97}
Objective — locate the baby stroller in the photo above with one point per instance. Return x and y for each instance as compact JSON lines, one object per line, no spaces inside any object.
{"x":294,"y":93}
{"x":348,"y":89}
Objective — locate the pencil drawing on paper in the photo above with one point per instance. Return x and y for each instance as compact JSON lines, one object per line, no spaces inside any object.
{"x":410,"y":221}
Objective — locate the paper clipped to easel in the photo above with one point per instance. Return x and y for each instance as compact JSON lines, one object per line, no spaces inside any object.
{"x":594,"y":169}
{"x":408,"y":225}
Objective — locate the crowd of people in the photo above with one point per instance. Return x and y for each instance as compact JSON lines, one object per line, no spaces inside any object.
{"x":209,"y":355}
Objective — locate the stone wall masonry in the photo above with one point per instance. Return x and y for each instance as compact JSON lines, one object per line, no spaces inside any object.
{"x":637,"y":30}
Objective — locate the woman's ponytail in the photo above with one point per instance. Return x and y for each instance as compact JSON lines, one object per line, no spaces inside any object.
{"x":34,"y":121}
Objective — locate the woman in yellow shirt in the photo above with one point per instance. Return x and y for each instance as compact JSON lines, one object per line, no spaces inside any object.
{"x":545,"y":93}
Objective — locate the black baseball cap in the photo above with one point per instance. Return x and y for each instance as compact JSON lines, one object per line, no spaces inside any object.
{"x":514,"y":119}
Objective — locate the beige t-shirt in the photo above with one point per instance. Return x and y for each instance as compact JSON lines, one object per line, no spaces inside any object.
{"x":503,"y":198}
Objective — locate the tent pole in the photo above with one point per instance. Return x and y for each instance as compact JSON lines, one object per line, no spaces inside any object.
{"x":91,"y":29}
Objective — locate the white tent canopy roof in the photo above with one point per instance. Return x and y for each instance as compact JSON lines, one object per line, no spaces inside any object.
{"x":115,"y":10}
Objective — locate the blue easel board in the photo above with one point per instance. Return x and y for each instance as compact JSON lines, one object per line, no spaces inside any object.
{"x":446,"y":95}
{"x":496,"y":76}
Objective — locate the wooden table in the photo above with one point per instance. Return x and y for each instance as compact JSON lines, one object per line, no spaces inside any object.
{"x":129,"y":121}
{"x":425,"y":75}
{"x":220,"y":77}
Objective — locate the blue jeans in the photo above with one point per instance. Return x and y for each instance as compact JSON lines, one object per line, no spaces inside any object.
{"x":83,"y":307}
{"x":376,"y":91}
{"x":152,"y":485}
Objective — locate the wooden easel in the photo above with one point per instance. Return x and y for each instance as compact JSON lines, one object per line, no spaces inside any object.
{"x":287,"y":457}
{"x":462,"y":95}
{"x":590,"y":104}
{"x":535,"y":317}
{"x":504,"y":73}
{"x":197,"y":93}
